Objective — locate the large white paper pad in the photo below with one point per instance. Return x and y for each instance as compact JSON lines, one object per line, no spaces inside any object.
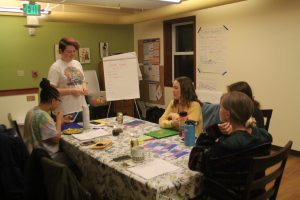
{"x":121,"y":77}
{"x":91,"y":134}
{"x":153,"y":168}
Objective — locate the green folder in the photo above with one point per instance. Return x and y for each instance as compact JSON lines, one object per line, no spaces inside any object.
{"x":162,"y":133}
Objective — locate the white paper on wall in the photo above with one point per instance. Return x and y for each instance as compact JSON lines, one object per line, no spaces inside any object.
{"x":209,"y":96}
{"x":152,"y":91}
{"x":151,"y":72}
{"x":212,"y":49}
{"x":207,"y":84}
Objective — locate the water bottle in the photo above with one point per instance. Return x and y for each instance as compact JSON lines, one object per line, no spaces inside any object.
{"x":182,"y":119}
{"x":86,"y":117}
{"x":189,"y":133}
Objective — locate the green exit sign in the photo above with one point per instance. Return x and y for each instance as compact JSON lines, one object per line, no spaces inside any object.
{"x":31,"y":9}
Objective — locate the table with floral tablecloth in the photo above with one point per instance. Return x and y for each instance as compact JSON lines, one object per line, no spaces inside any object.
{"x":108,"y":179}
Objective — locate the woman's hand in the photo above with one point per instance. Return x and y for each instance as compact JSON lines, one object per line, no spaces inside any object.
{"x":173,"y":116}
{"x":85,"y":91}
{"x":67,"y":119}
{"x":251,"y":122}
{"x":175,"y":123}
{"x":225,"y":128}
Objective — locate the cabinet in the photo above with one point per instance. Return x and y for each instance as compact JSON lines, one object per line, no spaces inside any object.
{"x":124,"y":106}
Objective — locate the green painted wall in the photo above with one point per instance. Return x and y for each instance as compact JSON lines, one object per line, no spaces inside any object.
{"x":19,"y":51}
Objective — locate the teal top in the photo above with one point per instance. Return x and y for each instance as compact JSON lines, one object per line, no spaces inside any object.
{"x":38,"y":128}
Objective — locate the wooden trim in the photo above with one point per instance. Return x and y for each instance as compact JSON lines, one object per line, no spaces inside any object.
{"x":167,"y":27}
{"x":167,"y":54}
{"x":292,"y":152}
{"x":18,"y":91}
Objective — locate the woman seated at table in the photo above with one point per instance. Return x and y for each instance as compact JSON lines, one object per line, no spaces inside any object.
{"x":40,"y":130}
{"x":210,"y":112}
{"x":235,"y":108}
{"x":184,"y":100}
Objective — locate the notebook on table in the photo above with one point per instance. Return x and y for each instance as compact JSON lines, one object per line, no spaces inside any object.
{"x":162,"y":133}
{"x":71,"y":125}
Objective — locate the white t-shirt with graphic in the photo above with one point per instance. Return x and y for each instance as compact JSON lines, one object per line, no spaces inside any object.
{"x":68,"y":75}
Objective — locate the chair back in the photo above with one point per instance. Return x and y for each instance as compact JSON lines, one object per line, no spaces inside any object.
{"x":249,"y":183}
{"x":274,"y":177}
{"x":233,"y":170}
{"x":14,"y":124}
{"x":267,"y":113}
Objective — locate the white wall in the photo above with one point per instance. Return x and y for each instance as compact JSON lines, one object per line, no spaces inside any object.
{"x":17,"y":105}
{"x":263,"y":49}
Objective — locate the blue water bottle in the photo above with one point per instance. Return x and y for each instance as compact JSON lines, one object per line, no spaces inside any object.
{"x":189,"y":133}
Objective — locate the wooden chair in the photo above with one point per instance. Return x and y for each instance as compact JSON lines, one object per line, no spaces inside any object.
{"x":252,"y":181}
{"x":267,"y":113}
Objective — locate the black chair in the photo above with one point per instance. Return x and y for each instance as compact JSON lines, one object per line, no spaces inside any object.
{"x":267,"y":113}
{"x":13,"y":158}
{"x":251,"y":182}
{"x":14,"y":124}
{"x":50,"y":180}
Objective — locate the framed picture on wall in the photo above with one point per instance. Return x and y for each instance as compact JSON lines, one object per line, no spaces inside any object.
{"x":104,"y":51}
{"x":56,"y":52}
{"x":84,"y":55}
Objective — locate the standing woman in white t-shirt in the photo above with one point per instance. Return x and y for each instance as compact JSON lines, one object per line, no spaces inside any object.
{"x":66,"y":74}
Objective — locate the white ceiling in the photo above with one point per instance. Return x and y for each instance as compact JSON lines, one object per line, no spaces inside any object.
{"x":123,"y":4}
{"x":114,"y":11}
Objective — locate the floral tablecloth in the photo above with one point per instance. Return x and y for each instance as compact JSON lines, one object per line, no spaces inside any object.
{"x":109,"y":179}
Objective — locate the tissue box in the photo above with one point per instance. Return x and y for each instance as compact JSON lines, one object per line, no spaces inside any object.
{"x":97,"y":99}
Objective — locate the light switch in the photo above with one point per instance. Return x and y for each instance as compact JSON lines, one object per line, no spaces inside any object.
{"x":20,"y":72}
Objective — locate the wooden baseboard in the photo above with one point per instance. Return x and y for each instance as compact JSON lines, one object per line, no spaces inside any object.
{"x":19,"y":91}
{"x":292,"y":152}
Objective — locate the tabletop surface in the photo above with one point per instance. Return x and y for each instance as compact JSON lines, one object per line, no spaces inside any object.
{"x":179,"y":184}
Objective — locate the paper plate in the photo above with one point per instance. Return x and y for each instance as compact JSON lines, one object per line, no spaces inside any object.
{"x":70,"y":131}
{"x":102,"y":144}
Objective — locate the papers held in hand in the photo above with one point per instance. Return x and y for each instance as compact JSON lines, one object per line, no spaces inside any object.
{"x":73,"y":116}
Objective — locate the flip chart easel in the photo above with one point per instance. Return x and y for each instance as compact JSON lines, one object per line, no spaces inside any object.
{"x":121,"y":78}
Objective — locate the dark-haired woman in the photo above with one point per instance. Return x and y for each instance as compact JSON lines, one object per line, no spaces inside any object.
{"x":66,"y":74}
{"x":210,"y":111}
{"x":245,"y":88}
{"x":40,"y":131}
{"x":184,"y":100}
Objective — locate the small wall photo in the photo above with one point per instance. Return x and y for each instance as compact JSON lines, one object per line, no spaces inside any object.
{"x":84,"y":55}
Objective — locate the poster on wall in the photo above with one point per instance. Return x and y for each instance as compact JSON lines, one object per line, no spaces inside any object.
{"x":151,"y":59}
{"x":212,"y":48}
{"x":84,"y":55}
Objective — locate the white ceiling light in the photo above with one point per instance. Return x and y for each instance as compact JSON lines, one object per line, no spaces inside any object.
{"x":174,"y":1}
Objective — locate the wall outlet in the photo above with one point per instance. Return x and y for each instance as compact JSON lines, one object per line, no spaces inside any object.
{"x":20,"y":72}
